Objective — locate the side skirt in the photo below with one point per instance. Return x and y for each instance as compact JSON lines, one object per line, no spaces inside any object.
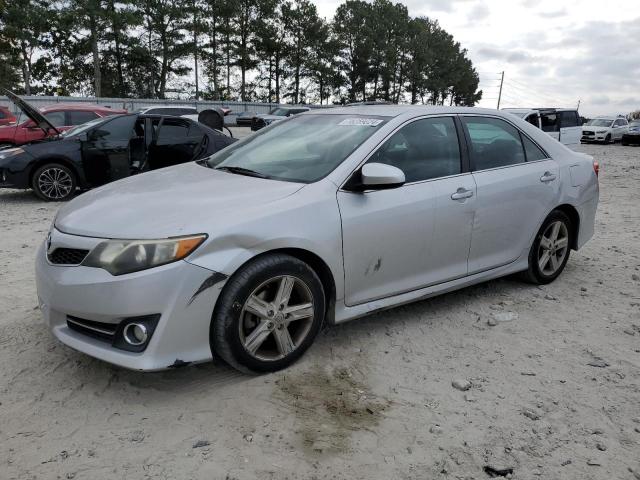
{"x":344,"y":313}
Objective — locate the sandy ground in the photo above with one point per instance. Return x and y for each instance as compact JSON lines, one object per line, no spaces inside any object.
{"x":554,"y":393}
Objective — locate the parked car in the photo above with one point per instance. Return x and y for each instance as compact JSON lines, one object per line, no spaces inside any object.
{"x":278,"y":113}
{"x":104,"y":150}
{"x":244,"y":119}
{"x":59,"y":117}
{"x":6,"y":116}
{"x":632,"y":136}
{"x":323,"y":217}
{"x":563,"y":124}
{"x":604,"y":129}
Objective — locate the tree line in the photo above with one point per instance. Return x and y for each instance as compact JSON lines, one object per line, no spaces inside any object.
{"x":248,"y":50}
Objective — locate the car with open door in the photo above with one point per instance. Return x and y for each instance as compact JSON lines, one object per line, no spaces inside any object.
{"x":48,"y":121}
{"x":104,"y":150}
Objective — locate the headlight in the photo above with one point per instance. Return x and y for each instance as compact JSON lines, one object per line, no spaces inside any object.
{"x":126,"y":256}
{"x":10,"y":152}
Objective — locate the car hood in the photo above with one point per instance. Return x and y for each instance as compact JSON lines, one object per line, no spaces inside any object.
{"x":181,"y":200}
{"x":31,"y":112}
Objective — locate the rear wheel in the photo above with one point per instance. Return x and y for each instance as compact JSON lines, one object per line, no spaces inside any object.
{"x":268,"y":314}
{"x":550,"y":250}
{"x":54,"y":182}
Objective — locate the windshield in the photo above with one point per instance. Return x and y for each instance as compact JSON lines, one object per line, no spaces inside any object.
{"x":77,"y":130}
{"x":600,"y":122}
{"x":281,"y":112}
{"x":302,"y":149}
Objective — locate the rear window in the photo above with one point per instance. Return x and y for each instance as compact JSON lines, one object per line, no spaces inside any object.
{"x":80,"y":117}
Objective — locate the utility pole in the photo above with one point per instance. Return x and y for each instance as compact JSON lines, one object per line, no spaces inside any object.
{"x":578,"y":107}
{"x":195,"y":48}
{"x":500,"y":94}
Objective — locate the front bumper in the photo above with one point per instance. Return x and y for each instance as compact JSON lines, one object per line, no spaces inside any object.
{"x":589,"y":136}
{"x":174,"y":291}
{"x":631,"y":139}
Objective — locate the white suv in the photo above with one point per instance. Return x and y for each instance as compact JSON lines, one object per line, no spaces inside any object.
{"x":604,"y":129}
{"x":563,"y":124}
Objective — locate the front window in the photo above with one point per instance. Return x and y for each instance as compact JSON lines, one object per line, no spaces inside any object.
{"x":302,"y":149}
{"x":423,"y":149}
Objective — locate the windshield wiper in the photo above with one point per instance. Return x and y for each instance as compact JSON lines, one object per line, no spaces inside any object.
{"x":242,"y":171}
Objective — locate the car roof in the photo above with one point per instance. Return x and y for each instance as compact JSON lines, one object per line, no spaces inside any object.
{"x":79,"y":106}
{"x":168,"y":106}
{"x":397,"y":110}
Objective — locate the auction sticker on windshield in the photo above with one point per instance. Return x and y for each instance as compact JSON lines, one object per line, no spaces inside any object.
{"x":366,"y":122}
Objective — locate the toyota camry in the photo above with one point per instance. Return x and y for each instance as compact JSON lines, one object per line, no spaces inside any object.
{"x":317,"y":219}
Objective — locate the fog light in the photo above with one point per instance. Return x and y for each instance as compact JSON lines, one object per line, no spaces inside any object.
{"x":135,"y":334}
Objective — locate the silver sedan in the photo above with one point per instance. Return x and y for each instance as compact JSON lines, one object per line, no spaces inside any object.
{"x":321,"y":218}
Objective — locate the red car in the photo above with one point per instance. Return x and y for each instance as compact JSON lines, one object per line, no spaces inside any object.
{"x":6,"y":117}
{"x":61,"y":116}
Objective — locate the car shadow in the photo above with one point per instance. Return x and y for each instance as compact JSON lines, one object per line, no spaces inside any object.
{"x":23,"y":197}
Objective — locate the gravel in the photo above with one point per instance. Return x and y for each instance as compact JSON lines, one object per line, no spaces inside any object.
{"x":363,"y":401}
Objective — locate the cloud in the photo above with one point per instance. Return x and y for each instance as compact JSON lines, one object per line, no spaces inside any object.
{"x":480,"y":11}
{"x":554,"y":14}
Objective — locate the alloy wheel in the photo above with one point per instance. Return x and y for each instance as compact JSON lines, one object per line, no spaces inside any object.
{"x":55,"y":183}
{"x":553,"y":247}
{"x":276,"y":318}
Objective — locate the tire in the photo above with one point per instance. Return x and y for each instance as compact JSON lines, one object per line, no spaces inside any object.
{"x":250,"y":331}
{"x":551,"y":269}
{"x":54,"y":182}
{"x":607,"y":139}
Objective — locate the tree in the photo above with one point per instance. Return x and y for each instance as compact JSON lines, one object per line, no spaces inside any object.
{"x":23,"y":25}
{"x":350,"y":25}
{"x":303,"y":29}
{"x":164,"y":25}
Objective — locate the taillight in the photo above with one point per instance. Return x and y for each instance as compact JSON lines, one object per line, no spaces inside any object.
{"x":596,"y":167}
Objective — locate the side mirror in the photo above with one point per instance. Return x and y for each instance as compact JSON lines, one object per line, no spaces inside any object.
{"x":379,"y":176}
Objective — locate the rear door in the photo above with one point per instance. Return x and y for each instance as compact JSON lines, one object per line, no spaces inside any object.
{"x":620,"y":127}
{"x":177,"y":141}
{"x":570,"y":128}
{"x":517,"y":186}
{"x":105,"y":152}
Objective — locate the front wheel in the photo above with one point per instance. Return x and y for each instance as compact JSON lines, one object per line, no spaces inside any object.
{"x":268,"y":314}
{"x":608,"y":139}
{"x":550,"y":250}
{"x":54,"y":182}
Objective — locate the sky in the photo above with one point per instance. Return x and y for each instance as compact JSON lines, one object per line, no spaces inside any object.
{"x":554,"y":53}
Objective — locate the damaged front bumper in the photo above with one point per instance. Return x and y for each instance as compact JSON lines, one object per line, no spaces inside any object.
{"x":86,"y":308}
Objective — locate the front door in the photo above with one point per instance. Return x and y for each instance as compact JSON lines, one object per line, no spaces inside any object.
{"x":177,"y":141}
{"x":105,"y":152}
{"x":518,"y":185}
{"x":399,"y":240}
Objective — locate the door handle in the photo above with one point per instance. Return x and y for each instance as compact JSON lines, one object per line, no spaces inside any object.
{"x":547,"y":177}
{"x":461,"y":194}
